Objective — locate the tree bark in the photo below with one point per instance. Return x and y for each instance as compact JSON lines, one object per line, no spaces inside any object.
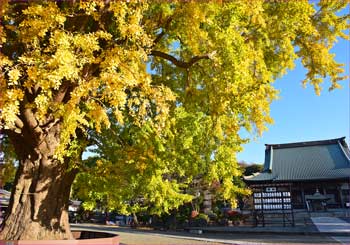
{"x":39,"y":201}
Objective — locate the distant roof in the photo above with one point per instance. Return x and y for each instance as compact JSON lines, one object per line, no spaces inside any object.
{"x":301,"y":161}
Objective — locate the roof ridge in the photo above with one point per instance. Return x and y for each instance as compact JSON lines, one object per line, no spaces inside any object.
{"x":344,"y":153}
{"x":305,"y":143}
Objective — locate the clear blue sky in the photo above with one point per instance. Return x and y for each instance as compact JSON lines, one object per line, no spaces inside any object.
{"x":301,"y":115}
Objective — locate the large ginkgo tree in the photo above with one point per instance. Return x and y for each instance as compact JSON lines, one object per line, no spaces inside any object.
{"x":179,"y":79}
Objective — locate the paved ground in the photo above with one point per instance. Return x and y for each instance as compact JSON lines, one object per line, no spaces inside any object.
{"x":342,"y":239}
{"x":347,"y":219}
{"x":322,"y":230}
{"x":296,"y":230}
{"x":132,"y":236}
{"x":331,"y":224}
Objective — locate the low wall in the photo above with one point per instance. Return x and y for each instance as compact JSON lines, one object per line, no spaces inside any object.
{"x":82,"y":238}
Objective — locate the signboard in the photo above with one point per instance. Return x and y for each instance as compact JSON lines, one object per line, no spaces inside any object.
{"x":273,"y":199}
{"x":278,"y":200}
{"x":271,"y":189}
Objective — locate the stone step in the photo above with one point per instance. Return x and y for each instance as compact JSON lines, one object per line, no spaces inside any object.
{"x":300,"y":217}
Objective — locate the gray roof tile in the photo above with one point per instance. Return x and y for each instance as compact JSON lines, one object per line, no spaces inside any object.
{"x":329,"y":159}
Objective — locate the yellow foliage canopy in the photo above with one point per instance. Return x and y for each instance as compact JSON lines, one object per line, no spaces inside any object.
{"x":72,"y":63}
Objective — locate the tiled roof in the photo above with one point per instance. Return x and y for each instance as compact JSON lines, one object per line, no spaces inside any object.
{"x":327,"y":159}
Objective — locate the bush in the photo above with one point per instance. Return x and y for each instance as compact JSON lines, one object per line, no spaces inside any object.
{"x":234,"y":215}
{"x":200,"y":220}
{"x":203,"y":217}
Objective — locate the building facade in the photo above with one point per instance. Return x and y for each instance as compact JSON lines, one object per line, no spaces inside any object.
{"x":315,"y":171}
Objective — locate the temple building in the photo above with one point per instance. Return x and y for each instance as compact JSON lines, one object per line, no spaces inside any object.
{"x":311,"y":171}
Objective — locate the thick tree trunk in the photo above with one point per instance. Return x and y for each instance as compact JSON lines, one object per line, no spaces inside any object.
{"x":39,"y":202}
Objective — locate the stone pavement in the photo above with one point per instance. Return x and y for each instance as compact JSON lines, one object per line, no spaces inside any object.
{"x":334,"y":226}
{"x":331,"y":225}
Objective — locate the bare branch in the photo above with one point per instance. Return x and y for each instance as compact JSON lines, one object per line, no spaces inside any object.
{"x":179,"y":63}
{"x":160,"y":35}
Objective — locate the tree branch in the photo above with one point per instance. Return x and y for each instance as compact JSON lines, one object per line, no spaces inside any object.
{"x":61,"y":93}
{"x":18,"y":122}
{"x":32,"y":122}
{"x":159,"y":36}
{"x":162,"y":33}
{"x":179,"y":63}
{"x":50,"y":124}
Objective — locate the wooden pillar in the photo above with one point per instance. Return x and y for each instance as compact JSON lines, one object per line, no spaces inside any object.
{"x":303,"y":196}
{"x":340,"y":196}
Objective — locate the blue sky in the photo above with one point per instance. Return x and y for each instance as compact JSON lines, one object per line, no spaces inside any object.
{"x":301,"y":115}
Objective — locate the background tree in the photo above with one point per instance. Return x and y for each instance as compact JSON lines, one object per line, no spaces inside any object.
{"x":65,"y":65}
{"x":250,"y":168}
{"x":8,"y":169}
{"x":152,"y":172}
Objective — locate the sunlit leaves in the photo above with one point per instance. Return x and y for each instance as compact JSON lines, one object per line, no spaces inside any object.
{"x":74,"y":75}
{"x":14,"y":75}
{"x":11,"y":99}
{"x":40,"y":19}
{"x":88,"y":65}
